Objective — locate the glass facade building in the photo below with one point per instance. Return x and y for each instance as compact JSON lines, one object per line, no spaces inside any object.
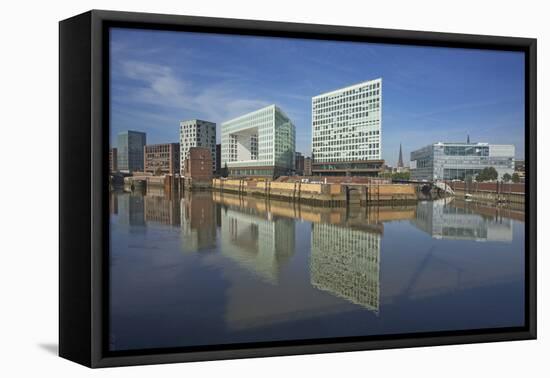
{"x":197,"y":133}
{"x":260,"y":143}
{"x":458,"y":161}
{"x":347,"y":130}
{"x":130,"y":154}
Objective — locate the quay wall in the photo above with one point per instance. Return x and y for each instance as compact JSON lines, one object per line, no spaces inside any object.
{"x":491,"y":191}
{"x":319,"y":193}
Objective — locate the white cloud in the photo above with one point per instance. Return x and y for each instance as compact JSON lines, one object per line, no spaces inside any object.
{"x":160,"y":86}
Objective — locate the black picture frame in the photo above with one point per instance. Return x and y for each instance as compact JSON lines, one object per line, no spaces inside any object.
{"x":83,"y":193}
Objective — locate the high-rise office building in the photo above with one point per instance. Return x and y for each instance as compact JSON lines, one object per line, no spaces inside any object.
{"x":130,"y":150}
{"x":218,"y":159}
{"x":197,"y":133}
{"x":347,"y":130}
{"x":459,"y":161}
{"x":113,"y":163}
{"x":260,"y":143}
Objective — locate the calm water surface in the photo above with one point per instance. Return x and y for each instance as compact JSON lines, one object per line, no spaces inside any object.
{"x":207,"y":268}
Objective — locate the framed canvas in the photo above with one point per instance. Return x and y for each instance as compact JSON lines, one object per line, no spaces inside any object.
{"x":235,"y":188}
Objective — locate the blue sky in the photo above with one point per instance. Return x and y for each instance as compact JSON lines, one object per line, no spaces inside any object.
{"x":430,"y":94}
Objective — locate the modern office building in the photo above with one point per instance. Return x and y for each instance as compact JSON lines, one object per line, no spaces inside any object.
{"x":307,"y":166}
{"x":218,"y":159}
{"x":458,"y":161}
{"x":260,"y":143}
{"x":162,"y":158}
{"x":130,"y":150}
{"x":113,"y":164}
{"x":347,"y":130}
{"x":197,"y":133}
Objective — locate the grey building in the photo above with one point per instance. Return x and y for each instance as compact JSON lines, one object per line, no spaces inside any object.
{"x":130,"y":150}
{"x":458,"y":161}
{"x":197,"y":133}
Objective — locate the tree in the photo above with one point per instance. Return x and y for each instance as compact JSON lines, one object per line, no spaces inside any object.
{"x":506,"y":177}
{"x":401,"y":176}
{"x":515,"y":178}
{"x":492,"y":173}
{"x":225,"y":170}
{"x":487,"y":174}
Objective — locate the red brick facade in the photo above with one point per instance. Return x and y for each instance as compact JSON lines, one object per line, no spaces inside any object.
{"x":198,"y":164}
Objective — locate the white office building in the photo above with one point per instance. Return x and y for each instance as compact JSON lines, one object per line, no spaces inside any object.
{"x":260,"y":143}
{"x":347,"y":130}
{"x":197,"y":133}
{"x":458,"y":161}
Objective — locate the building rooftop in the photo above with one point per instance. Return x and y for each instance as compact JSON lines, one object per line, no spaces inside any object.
{"x":196,"y":120}
{"x":275,"y":107}
{"x":353,"y":86}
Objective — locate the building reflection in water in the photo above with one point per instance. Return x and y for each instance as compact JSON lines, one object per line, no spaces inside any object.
{"x":261,"y":243}
{"x":160,"y":209}
{"x":346,"y":263}
{"x":113,"y":203}
{"x":345,"y":244}
{"x":131,"y":209}
{"x":198,"y":221}
{"x":443,"y":221}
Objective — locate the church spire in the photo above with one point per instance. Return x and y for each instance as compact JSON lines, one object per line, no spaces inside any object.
{"x":400,"y":161}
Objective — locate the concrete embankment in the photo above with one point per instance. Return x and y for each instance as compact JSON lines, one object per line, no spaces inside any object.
{"x":168,"y":183}
{"x":491,"y":192}
{"x":330,"y":194}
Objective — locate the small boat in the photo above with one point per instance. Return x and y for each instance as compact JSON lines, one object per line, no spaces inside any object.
{"x":468,"y":197}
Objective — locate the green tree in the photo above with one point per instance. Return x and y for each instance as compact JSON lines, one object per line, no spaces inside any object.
{"x":481,"y":176}
{"x":506,"y":177}
{"x":401,"y":176}
{"x":487,"y":174}
{"x":515,"y":177}
{"x":492,"y":173}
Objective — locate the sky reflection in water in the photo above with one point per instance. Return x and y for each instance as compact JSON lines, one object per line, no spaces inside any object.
{"x":211,"y":268}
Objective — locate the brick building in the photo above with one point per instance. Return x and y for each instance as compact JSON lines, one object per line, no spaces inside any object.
{"x":162,"y":158}
{"x":198,"y":164}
